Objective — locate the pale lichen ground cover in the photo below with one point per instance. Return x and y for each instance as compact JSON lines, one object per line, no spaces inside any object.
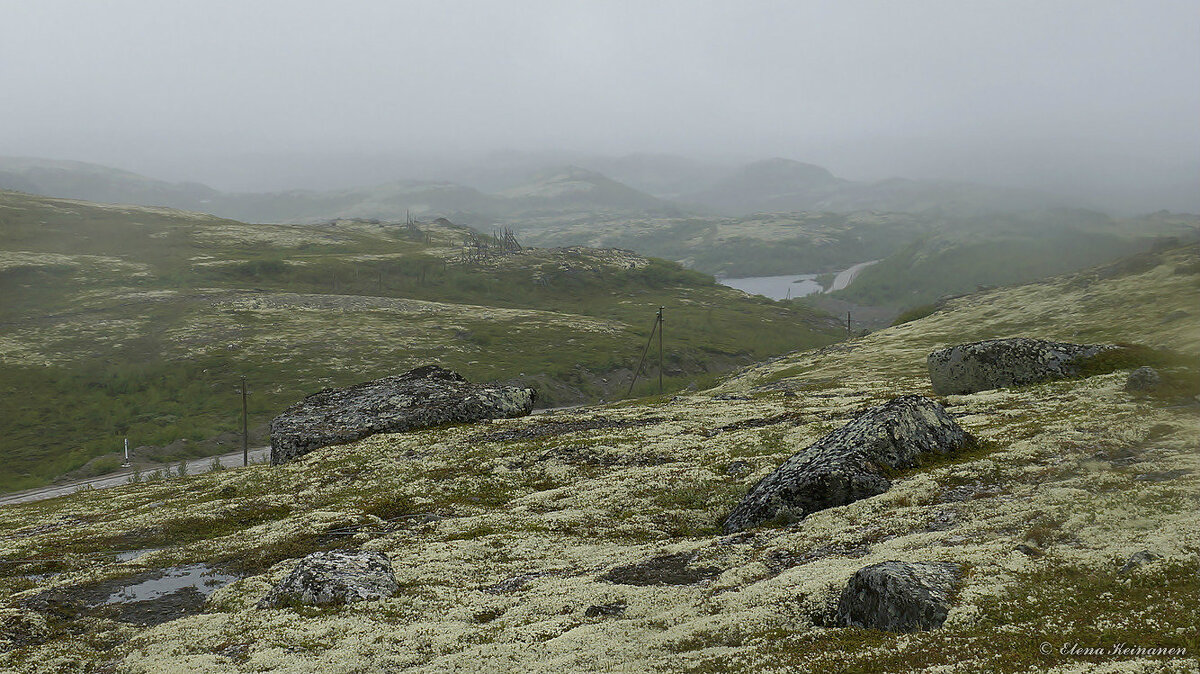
{"x":1080,"y":473}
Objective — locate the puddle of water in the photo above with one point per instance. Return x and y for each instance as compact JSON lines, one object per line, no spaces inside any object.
{"x":198,"y":577}
{"x":40,"y":576}
{"x":130,"y":555}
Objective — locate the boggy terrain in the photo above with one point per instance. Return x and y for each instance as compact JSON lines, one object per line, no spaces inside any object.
{"x":591,"y":540}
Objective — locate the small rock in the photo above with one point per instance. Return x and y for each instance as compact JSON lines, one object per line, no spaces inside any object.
{"x":1138,"y":559}
{"x":899,"y":596}
{"x":662,"y":570}
{"x":1029,"y":550}
{"x":1145,"y":378}
{"x":848,"y":464}
{"x":1000,"y":363}
{"x":737,"y":468}
{"x":335,"y":577}
{"x":615,"y":609}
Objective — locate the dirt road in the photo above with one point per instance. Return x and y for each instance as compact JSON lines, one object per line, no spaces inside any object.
{"x":194,"y":466}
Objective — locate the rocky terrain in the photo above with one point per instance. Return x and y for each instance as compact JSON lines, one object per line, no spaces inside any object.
{"x":592,"y":539}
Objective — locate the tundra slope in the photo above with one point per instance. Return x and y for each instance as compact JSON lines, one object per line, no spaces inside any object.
{"x":502,"y":541}
{"x":127,"y":321}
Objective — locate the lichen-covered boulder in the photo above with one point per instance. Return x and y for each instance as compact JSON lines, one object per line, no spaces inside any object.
{"x":999,"y":363}
{"x":1145,"y":378}
{"x":899,"y":596}
{"x":849,"y":463}
{"x":420,"y":398}
{"x":334,"y":577}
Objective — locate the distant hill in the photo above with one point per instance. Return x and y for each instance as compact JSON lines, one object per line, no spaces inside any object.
{"x":1011,"y":249}
{"x":572,"y":187}
{"x":566,"y":191}
{"x":783,"y":185}
{"x":104,"y":184}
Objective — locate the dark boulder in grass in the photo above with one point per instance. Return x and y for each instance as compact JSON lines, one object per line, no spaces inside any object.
{"x":421,"y":398}
{"x":899,"y":596}
{"x":1000,"y":363}
{"x":850,"y":463}
{"x":334,"y":577}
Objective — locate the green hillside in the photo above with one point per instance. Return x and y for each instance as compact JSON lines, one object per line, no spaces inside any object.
{"x":128,"y":321}
{"x":1006,"y":250}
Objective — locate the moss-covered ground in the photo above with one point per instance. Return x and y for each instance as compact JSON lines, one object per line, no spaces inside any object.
{"x":501,"y":534}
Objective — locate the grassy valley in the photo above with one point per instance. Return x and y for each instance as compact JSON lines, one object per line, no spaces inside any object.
{"x":134,"y":321}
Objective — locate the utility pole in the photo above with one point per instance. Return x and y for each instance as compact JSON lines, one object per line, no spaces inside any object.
{"x":245,"y":427}
{"x":847,"y":323}
{"x":646,"y":350}
{"x":660,"y":350}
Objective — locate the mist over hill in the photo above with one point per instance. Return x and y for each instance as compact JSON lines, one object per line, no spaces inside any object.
{"x":525,"y":192}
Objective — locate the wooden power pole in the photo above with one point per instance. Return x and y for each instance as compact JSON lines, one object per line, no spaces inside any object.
{"x":660,"y":350}
{"x":245,"y":427}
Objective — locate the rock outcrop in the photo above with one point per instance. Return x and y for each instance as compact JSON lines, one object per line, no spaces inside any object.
{"x":420,"y":398}
{"x":849,"y":463}
{"x":334,"y":577}
{"x":899,"y":596}
{"x":998,"y":363}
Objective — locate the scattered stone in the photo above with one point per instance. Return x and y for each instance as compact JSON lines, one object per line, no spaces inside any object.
{"x":663,"y":570}
{"x":1138,"y":559}
{"x":335,"y":577}
{"x":849,"y":463}
{"x":942,"y":521}
{"x":1029,"y":550}
{"x":420,"y":398}
{"x":793,"y":418}
{"x":738,"y":468}
{"x":778,"y":561}
{"x":615,"y":609}
{"x":1145,"y":378}
{"x":999,"y":363}
{"x":899,"y":596}
{"x":970,"y":492}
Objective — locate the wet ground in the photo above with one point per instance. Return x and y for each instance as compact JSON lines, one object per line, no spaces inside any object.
{"x":146,"y":598}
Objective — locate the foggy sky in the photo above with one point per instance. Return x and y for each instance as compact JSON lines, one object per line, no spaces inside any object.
{"x":1010,"y":91}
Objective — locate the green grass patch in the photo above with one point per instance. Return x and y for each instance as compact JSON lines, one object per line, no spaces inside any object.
{"x":915,"y":313}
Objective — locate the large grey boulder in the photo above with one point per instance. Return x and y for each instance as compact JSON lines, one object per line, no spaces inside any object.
{"x":998,"y":363}
{"x":849,"y":463}
{"x":899,"y":596}
{"x":420,"y":398}
{"x":335,"y":577}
